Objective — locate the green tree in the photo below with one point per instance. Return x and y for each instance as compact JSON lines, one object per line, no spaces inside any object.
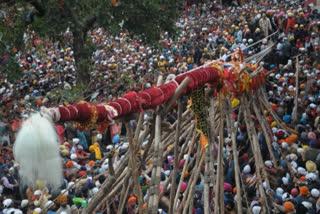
{"x":145,"y":18}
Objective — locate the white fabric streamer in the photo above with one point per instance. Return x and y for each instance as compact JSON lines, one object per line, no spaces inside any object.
{"x":36,"y":149}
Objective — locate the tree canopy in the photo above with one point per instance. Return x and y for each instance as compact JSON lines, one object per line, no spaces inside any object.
{"x":51,"y":18}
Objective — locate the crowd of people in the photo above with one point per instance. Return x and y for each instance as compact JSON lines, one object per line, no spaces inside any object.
{"x":206,"y":32}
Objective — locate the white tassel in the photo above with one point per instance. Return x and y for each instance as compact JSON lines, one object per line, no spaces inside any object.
{"x":36,"y":149}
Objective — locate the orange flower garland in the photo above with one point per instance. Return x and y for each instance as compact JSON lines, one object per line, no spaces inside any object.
{"x":90,"y":123}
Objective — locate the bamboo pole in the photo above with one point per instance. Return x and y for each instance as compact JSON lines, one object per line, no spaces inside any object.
{"x":206,"y":181}
{"x":153,"y":201}
{"x":180,"y":138}
{"x":184,"y":203}
{"x":265,"y":132}
{"x":193,"y":182}
{"x":218,"y":201}
{"x":194,"y":137}
{"x":264,"y":101}
{"x":177,"y":94}
{"x":232,"y":130}
{"x":124,"y":194}
{"x":176,"y":145}
{"x":256,"y":153}
{"x":119,"y":185}
{"x":97,"y":198}
{"x":212,"y":134}
{"x":134,"y":168}
{"x":208,"y":177}
{"x":295,"y":116}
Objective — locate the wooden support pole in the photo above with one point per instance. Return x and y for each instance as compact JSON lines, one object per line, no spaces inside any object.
{"x":295,"y":116}
{"x":124,"y":195}
{"x":196,"y":173}
{"x":264,"y":101}
{"x":194,"y":138}
{"x":233,"y":132}
{"x":176,"y":161}
{"x":153,"y":201}
{"x":177,"y":94}
{"x":133,"y":161}
{"x":98,"y":197}
{"x":208,"y":177}
{"x":219,"y":205}
{"x":184,"y":203}
{"x":265,"y":133}
{"x":256,"y":153}
{"x":117,"y":187}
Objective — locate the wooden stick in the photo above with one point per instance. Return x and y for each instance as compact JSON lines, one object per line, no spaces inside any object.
{"x":177,"y":94}
{"x":265,"y":132}
{"x":184,"y":203}
{"x":264,"y":101}
{"x":97,"y":198}
{"x":295,"y":116}
{"x":153,"y":201}
{"x":208,"y":160}
{"x":193,"y":182}
{"x":212,"y":134}
{"x":256,"y":152}
{"x":176,"y":145}
{"x":119,"y":185}
{"x":146,"y":151}
{"x":195,"y":134}
{"x":124,"y":194}
{"x":219,"y":205}
{"x":134,"y":168}
{"x":232,"y":130}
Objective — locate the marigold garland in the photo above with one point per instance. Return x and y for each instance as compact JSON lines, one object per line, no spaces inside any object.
{"x":90,"y":123}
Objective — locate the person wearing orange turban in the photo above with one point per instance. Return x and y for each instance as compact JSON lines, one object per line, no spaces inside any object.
{"x":69,"y":164}
{"x":62,"y":199}
{"x":288,"y":206}
{"x":132,"y":199}
{"x":131,"y":204}
{"x":304,"y":191}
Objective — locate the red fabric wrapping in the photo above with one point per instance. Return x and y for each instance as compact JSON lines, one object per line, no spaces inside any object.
{"x":102,"y":113}
{"x":150,"y":98}
{"x":64,"y":114}
{"x":199,"y":77}
{"x":68,"y":113}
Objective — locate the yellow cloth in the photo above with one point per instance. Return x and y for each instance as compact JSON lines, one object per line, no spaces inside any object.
{"x":96,"y":149}
{"x":235,"y":102}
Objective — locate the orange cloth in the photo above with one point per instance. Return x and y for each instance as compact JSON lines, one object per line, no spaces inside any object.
{"x":204,"y":141}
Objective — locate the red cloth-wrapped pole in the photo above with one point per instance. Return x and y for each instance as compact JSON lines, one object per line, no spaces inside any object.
{"x":133,"y":102}
{"x":87,"y":115}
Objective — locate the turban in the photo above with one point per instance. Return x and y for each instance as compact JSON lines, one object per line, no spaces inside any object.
{"x":69,"y":164}
{"x":62,"y":198}
{"x":132,"y":200}
{"x":304,"y":191}
{"x":311,"y":166}
{"x":288,"y":206}
{"x":227,"y":187}
{"x":96,"y":149}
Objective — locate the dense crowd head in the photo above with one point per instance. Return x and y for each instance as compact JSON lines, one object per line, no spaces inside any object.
{"x":122,"y":63}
